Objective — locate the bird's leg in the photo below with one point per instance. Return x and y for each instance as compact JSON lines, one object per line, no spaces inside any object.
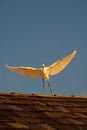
{"x":50,"y":88}
{"x":44,"y":87}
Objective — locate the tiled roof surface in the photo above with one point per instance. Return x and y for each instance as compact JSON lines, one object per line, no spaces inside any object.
{"x":40,"y":112}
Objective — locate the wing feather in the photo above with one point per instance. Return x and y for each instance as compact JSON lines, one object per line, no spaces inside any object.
{"x":26,"y":71}
{"x":61,"y":64}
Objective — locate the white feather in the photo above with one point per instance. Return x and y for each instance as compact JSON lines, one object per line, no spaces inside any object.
{"x":43,"y":72}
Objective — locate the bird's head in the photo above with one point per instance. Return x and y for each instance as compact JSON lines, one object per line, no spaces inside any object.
{"x":43,"y":65}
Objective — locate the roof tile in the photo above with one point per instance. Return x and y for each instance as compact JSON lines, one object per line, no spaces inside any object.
{"x":41,"y":112}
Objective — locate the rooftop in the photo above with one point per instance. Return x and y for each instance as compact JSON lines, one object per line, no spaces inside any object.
{"x":41,"y":112}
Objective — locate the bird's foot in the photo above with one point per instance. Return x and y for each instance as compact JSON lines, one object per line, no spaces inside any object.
{"x":52,"y":94}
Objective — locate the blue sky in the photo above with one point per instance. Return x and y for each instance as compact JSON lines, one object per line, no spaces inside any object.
{"x":33,"y":32}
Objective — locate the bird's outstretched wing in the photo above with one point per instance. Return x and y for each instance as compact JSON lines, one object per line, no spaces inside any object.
{"x":26,"y":71}
{"x":61,"y":64}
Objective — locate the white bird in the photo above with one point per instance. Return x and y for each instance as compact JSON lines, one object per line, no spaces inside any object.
{"x":44,"y":72}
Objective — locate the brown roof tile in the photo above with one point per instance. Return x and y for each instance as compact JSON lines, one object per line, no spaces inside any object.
{"x":41,"y":112}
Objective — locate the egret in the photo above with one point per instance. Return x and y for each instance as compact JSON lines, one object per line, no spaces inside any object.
{"x":44,"y":72}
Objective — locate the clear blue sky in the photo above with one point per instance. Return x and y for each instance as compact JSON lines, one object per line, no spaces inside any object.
{"x":33,"y":32}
